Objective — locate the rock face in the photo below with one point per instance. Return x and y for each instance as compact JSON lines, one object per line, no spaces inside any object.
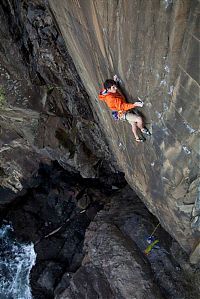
{"x":114,"y":266}
{"x":45,"y":112}
{"x":114,"y":271}
{"x":153,"y":46}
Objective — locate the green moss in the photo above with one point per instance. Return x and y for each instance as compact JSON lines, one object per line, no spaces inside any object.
{"x":2,"y":97}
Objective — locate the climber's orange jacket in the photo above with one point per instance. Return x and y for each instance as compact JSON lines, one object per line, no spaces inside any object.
{"x":115,"y":101}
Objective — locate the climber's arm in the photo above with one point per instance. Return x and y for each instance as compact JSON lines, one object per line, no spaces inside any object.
{"x":120,"y":105}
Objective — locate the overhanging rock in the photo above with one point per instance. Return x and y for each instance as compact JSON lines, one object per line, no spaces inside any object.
{"x":154,"y":47}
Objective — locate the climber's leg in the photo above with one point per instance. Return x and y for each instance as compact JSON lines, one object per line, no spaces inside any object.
{"x":133,"y":118}
{"x":136,"y":122}
{"x":134,"y":130}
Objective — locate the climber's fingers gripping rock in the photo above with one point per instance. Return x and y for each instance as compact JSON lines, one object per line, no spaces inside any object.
{"x":138,"y":104}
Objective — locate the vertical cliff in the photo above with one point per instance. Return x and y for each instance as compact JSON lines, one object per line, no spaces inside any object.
{"x":153,"y":46}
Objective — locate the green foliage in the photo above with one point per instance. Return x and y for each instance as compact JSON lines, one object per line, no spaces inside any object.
{"x":2,"y":97}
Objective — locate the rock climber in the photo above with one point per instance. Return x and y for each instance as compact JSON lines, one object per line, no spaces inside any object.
{"x":115,"y":100}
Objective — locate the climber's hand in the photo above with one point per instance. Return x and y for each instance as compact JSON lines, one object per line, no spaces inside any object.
{"x":116,"y":79}
{"x":139,"y":104}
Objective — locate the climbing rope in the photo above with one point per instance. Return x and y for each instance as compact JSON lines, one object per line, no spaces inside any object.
{"x":155,"y":229}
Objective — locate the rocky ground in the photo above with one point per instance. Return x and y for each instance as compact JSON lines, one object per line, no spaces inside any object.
{"x":115,"y":265}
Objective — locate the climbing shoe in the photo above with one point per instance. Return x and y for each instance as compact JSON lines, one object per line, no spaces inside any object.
{"x":145,"y":131}
{"x":139,"y":139}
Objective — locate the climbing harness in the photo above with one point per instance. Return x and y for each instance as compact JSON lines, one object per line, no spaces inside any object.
{"x":152,"y":241}
{"x":119,"y":115}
